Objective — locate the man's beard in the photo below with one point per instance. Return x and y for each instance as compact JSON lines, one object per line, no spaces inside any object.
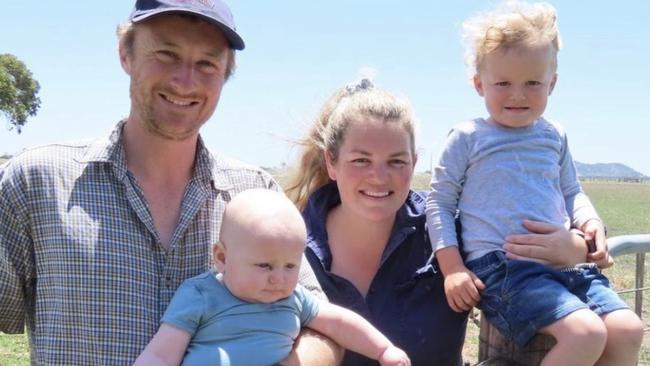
{"x":143,"y":103}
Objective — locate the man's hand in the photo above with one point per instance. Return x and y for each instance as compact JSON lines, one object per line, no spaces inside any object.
{"x":594,"y":231}
{"x":394,"y":356}
{"x":462,"y":289}
{"x":313,"y":349}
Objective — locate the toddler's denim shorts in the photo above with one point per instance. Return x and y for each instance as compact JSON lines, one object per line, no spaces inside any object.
{"x":521,"y":297}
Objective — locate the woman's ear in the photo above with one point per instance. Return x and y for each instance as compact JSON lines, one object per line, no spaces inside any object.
{"x":329,"y":163}
{"x":219,"y":256}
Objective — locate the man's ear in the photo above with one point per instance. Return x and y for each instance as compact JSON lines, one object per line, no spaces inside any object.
{"x":329,"y":163}
{"x":125,"y":58}
{"x":552,"y":86}
{"x":478,"y":84}
{"x":219,"y":256}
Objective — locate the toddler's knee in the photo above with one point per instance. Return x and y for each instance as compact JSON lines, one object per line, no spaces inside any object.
{"x":625,"y":328}
{"x":594,"y":332}
{"x":584,"y":330}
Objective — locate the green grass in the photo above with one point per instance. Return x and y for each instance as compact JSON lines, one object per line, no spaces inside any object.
{"x":624,"y":207}
{"x":626,"y":210}
{"x":13,"y":350}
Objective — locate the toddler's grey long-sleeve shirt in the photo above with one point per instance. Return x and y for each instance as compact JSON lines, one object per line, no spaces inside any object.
{"x":496,"y":177}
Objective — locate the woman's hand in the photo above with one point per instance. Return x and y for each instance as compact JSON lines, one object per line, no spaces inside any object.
{"x":595,"y":232}
{"x":548,"y":244}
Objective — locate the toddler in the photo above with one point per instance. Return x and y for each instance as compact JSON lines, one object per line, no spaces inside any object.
{"x":514,"y":166}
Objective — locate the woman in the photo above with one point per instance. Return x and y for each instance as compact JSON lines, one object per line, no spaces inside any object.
{"x":367,"y":240}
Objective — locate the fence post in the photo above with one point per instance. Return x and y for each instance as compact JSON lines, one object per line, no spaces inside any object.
{"x":639,"y":283}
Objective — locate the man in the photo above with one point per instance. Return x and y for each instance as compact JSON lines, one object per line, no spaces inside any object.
{"x":95,"y":237}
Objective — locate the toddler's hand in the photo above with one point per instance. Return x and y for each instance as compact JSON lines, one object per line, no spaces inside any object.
{"x":394,"y":356}
{"x":595,"y":236}
{"x":462,"y":289}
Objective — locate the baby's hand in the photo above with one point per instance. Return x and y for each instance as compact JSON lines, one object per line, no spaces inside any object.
{"x":394,"y":356}
{"x":595,"y":236}
{"x":462,"y":289}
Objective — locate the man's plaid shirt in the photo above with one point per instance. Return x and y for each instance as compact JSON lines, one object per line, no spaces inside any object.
{"x":80,"y":260}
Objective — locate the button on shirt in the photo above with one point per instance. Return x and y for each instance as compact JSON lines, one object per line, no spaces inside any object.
{"x":80,"y":260}
{"x":406,"y":299}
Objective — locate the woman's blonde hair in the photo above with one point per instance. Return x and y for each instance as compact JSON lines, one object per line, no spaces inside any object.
{"x":514,"y":22}
{"x":356,"y":102}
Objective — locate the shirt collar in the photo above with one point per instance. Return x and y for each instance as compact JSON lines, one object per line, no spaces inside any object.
{"x":109,"y":149}
{"x":408,"y":217}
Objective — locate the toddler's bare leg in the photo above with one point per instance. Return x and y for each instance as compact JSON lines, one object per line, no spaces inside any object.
{"x":581,"y":338}
{"x":624,"y":337}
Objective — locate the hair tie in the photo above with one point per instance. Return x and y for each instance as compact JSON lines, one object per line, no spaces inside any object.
{"x":363,"y":84}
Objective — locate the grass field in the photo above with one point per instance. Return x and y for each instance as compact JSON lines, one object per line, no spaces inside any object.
{"x":624,"y":207}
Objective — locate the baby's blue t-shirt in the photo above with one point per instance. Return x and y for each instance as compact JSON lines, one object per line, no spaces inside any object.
{"x":228,"y":331}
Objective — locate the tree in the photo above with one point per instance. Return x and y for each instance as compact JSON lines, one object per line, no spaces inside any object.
{"x":18,"y":91}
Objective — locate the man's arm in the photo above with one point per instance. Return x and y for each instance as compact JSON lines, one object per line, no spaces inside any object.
{"x":166,"y":348}
{"x":314,"y":349}
{"x":16,"y":259}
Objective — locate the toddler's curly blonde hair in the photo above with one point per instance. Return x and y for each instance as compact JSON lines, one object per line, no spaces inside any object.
{"x":512,"y":23}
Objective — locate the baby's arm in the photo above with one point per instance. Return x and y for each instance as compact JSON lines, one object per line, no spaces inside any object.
{"x":461,"y":285}
{"x":352,"y":331}
{"x":167,"y":347}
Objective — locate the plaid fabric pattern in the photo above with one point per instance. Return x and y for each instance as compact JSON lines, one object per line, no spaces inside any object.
{"x":80,"y":259}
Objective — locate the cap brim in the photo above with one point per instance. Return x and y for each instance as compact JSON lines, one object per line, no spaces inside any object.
{"x":235,"y":41}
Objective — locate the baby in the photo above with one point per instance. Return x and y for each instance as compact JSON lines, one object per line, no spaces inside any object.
{"x":514,"y":166}
{"x":252,"y":310}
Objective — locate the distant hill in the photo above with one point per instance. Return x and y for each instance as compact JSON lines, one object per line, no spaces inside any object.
{"x":600,"y":170}
{"x":607,"y":170}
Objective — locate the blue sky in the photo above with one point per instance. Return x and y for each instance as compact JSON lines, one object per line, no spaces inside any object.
{"x":298,"y":52}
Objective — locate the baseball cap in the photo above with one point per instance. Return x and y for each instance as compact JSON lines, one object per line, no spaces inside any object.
{"x":214,"y":11}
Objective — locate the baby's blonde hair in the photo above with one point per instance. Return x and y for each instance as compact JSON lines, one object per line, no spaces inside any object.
{"x":514,"y":22}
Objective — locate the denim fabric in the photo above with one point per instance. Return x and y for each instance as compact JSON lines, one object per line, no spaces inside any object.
{"x":521,"y":297}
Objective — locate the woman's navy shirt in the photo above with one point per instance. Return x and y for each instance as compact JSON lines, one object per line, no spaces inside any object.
{"x":406,"y":298}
